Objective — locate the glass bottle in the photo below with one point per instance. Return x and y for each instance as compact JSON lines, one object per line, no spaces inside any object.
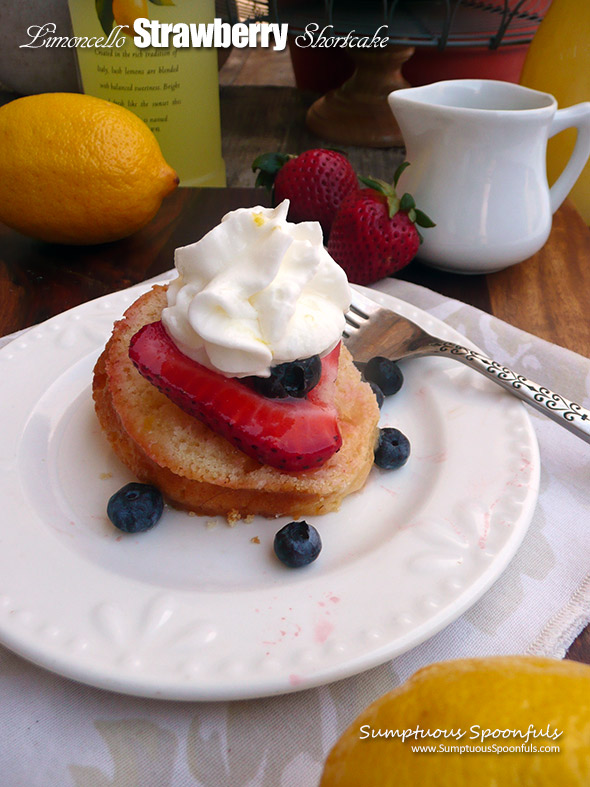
{"x":174,"y":90}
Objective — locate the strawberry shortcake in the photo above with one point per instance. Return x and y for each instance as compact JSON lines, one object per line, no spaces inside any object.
{"x":229,"y":389}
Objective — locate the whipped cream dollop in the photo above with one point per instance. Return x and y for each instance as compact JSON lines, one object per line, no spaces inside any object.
{"x":256,"y":291}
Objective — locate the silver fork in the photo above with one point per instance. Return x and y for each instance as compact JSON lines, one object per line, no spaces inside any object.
{"x":373,"y":330}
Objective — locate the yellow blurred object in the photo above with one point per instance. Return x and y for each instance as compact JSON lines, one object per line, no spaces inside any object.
{"x":77,"y":169}
{"x":558,"y":62}
{"x":484,"y":699}
{"x":126,"y":12}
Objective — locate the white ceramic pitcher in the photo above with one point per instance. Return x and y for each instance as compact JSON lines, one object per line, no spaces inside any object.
{"x":477,"y":149}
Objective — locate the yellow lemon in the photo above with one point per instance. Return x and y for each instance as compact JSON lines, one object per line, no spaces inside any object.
{"x":505,"y":708}
{"x":126,"y":12}
{"x":77,"y":169}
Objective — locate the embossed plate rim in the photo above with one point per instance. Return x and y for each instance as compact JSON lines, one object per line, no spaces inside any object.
{"x":35,"y":569}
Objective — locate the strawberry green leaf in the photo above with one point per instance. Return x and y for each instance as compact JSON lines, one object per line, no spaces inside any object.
{"x":423,"y":220}
{"x":399,"y":171}
{"x":269,"y":164}
{"x":265,"y":180}
{"x":392,"y":205}
{"x":406,"y":203}
{"x":104,"y":11}
{"x":374,"y":183}
{"x":386,"y":189}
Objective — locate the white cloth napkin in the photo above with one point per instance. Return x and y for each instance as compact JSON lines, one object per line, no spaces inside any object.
{"x":56,"y":732}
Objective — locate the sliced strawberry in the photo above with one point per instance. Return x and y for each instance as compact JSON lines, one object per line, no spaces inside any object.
{"x":289,"y":434}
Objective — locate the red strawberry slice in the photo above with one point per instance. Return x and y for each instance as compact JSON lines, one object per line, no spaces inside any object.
{"x":289,"y":434}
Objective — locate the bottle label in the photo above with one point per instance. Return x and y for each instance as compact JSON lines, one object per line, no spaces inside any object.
{"x":174,"y":91}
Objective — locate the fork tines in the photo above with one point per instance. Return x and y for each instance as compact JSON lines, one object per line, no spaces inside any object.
{"x":353,"y":324}
{"x":359,"y":312}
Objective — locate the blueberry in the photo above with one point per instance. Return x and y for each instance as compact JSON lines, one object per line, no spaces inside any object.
{"x":393,"y":449}
{"x":293,"y":378}
{"x":379,"y":395}
{"x":297,"y":544}
{"x":267,"y":386}
{"x":135,"y":507}
{"x":385,"y":373}
{"x":299,"y":377}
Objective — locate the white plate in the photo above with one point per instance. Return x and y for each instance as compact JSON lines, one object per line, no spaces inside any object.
{"x":196,"y":610}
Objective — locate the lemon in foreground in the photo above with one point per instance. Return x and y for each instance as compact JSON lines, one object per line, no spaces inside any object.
{"x":77,"y":169}
{"x":500,"y":704}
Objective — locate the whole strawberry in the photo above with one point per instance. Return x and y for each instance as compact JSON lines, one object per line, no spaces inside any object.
{"x":315,"y":182}
{"x":374,"y":232}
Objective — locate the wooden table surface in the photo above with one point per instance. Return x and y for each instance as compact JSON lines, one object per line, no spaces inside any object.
{"x":546,"y":295}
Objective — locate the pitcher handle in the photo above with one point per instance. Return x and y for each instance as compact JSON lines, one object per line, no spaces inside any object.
{"x":577,"y":116}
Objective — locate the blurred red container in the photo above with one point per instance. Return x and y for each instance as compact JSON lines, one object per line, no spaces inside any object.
{"x":320,"y":70}
{"x":430,"y":65}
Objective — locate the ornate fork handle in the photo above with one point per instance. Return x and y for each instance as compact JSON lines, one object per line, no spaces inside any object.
{"x":569,"y":414}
